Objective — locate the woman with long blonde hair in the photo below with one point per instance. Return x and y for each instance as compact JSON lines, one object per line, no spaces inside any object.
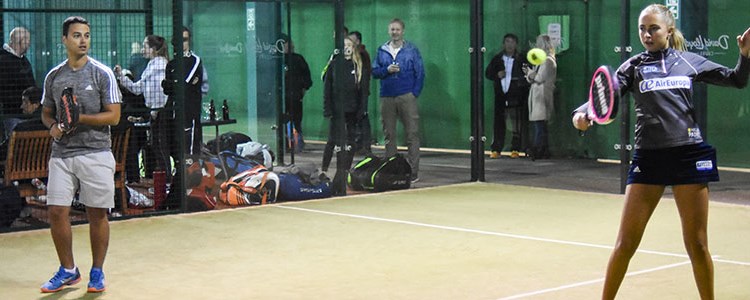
{"x":669,"y":147}
{"x":352,"y":87}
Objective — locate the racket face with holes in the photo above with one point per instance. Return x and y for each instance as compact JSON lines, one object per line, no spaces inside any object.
{"x":603,"y":96}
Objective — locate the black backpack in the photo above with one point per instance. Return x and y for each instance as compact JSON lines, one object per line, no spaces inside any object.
{"x":378,"y":175}
{"x":11,"y":205}
{"x":228,"y":141}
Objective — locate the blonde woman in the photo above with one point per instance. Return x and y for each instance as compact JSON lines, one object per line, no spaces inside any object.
{"x":352,"y":87}
{"x":541,"y":97}
{"x":669,"y":148}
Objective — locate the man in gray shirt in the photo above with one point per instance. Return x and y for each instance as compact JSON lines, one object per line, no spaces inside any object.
{"x":82,"y":159}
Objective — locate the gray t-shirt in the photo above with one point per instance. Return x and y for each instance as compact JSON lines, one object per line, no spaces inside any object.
{"x":94,"y":86}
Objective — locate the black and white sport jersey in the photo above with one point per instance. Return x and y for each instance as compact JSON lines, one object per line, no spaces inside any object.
{"x":662,"y":87}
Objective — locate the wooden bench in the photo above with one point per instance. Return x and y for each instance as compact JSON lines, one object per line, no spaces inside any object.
{"x":29,"y":154}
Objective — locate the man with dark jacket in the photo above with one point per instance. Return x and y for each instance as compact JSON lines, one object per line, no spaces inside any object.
{"x":297,"y":81}
{"x":398,"y":65}
{"x":15,"y":71}
{"x":511,"y":94}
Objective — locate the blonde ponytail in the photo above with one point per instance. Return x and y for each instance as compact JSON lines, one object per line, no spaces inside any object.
{"x":677,"y":41}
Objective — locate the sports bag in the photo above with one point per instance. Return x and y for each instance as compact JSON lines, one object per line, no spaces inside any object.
{"x":11,"y":205}
{"x":378,"y":175}
{"x":360,"y":175}
{"x":234,"y":163}
{"x":252,"y":187}
{"x":228,"y":141}
{"x":293,"y":188}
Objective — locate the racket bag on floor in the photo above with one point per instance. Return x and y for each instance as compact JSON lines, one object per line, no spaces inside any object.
{"x":394,"y":173}
{"x":293,"y":188}
{"x":376,"y":174}
{"x":252,"y":187}
{"x":11,"y":205}
{"x":228,"y":141}
{"x":235,"y":163}
{"x":360,"y":175}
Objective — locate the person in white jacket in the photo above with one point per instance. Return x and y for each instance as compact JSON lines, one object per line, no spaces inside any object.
{"x":155,"y":48}
{"x":541,"y":97}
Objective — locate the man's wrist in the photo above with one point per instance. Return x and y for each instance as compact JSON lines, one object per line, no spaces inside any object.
{"x":52,"y":125}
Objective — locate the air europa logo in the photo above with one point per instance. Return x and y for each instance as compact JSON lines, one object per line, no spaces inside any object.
{"x":658,"y":84}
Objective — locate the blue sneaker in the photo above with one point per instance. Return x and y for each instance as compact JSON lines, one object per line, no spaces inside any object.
{"x":60,"y":280}
{"x":96,"y":281}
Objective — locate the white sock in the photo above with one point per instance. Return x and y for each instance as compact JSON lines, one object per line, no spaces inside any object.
{"x":71,"y":271}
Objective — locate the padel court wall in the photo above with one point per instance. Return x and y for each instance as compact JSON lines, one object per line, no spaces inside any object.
{"x":440,"y":28}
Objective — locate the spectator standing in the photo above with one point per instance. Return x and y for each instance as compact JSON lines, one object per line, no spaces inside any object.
{"x":193,"y":68}
{"x":155,"y":49}
{"x":81,"y":161}
{"x":297,"y":81}
{"x":363,"y":130}
{"x":16,"y":73}
{"x":352,"y":88}
{"x":398,"y":65}
{"x":541,"y":97}
{"x":511,"y":95}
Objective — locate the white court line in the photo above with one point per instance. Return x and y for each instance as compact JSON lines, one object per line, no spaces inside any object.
{"x":508,"y":235}
{"x":579,"y":284}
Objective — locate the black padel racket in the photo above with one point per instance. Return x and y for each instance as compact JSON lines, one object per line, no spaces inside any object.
{"x":604,"y":96}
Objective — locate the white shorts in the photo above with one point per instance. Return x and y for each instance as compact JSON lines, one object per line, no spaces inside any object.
{"x":92,"y":175}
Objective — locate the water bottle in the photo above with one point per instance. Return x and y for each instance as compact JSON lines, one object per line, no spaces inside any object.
{"x":225,"y":110}
{"x":212,"y":111}
{"x":39,"y":184}
{"x":160,"y":188}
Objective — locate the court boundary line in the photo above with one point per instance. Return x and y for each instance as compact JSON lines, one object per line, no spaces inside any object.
{"x":492,"y":233}
{"x":593,"y":281}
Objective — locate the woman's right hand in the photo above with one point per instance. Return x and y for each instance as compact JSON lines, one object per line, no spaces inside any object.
{"x":581,"y":121}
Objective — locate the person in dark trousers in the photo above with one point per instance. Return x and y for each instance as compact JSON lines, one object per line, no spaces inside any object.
{"x":16,"y":73}
{"x":541,"y":98}
{"x":351,"y":89}
{"x":297,"y":81}
{"x":669,"y":147}
{"x":192,"y":104}
{"x":398,"y":64}
{"x":511,"y":94}
{"x":81,"y":160}
{"x":193,"y":98}
{"x":364,"y":130}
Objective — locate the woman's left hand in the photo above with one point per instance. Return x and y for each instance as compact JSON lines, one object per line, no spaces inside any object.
{"x":743,"y":41}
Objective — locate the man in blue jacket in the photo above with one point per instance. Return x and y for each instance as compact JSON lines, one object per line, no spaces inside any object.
{"x":399,"y":67}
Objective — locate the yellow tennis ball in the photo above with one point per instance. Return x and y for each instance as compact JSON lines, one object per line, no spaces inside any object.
{"x":536,"y":56}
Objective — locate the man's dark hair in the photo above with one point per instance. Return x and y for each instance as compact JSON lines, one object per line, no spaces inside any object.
{"x":73,"y":20}
{"x":512,"y":36}
{"x":34,"y":94}
{"x":358,"y":35}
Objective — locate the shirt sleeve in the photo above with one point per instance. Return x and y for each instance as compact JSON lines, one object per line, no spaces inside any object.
{"x":108,"y":89}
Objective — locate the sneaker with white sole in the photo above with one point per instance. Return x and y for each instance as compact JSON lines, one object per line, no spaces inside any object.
{"x":60,"y":280}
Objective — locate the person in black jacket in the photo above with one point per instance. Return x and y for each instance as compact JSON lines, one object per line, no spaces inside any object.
{"x":193,"y":98}
{"x":296,"y":81}
{"x":511,"y":92}
{"x":669,"y":147}
{"x":351,"y":87}
{"x":15,"y":71}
